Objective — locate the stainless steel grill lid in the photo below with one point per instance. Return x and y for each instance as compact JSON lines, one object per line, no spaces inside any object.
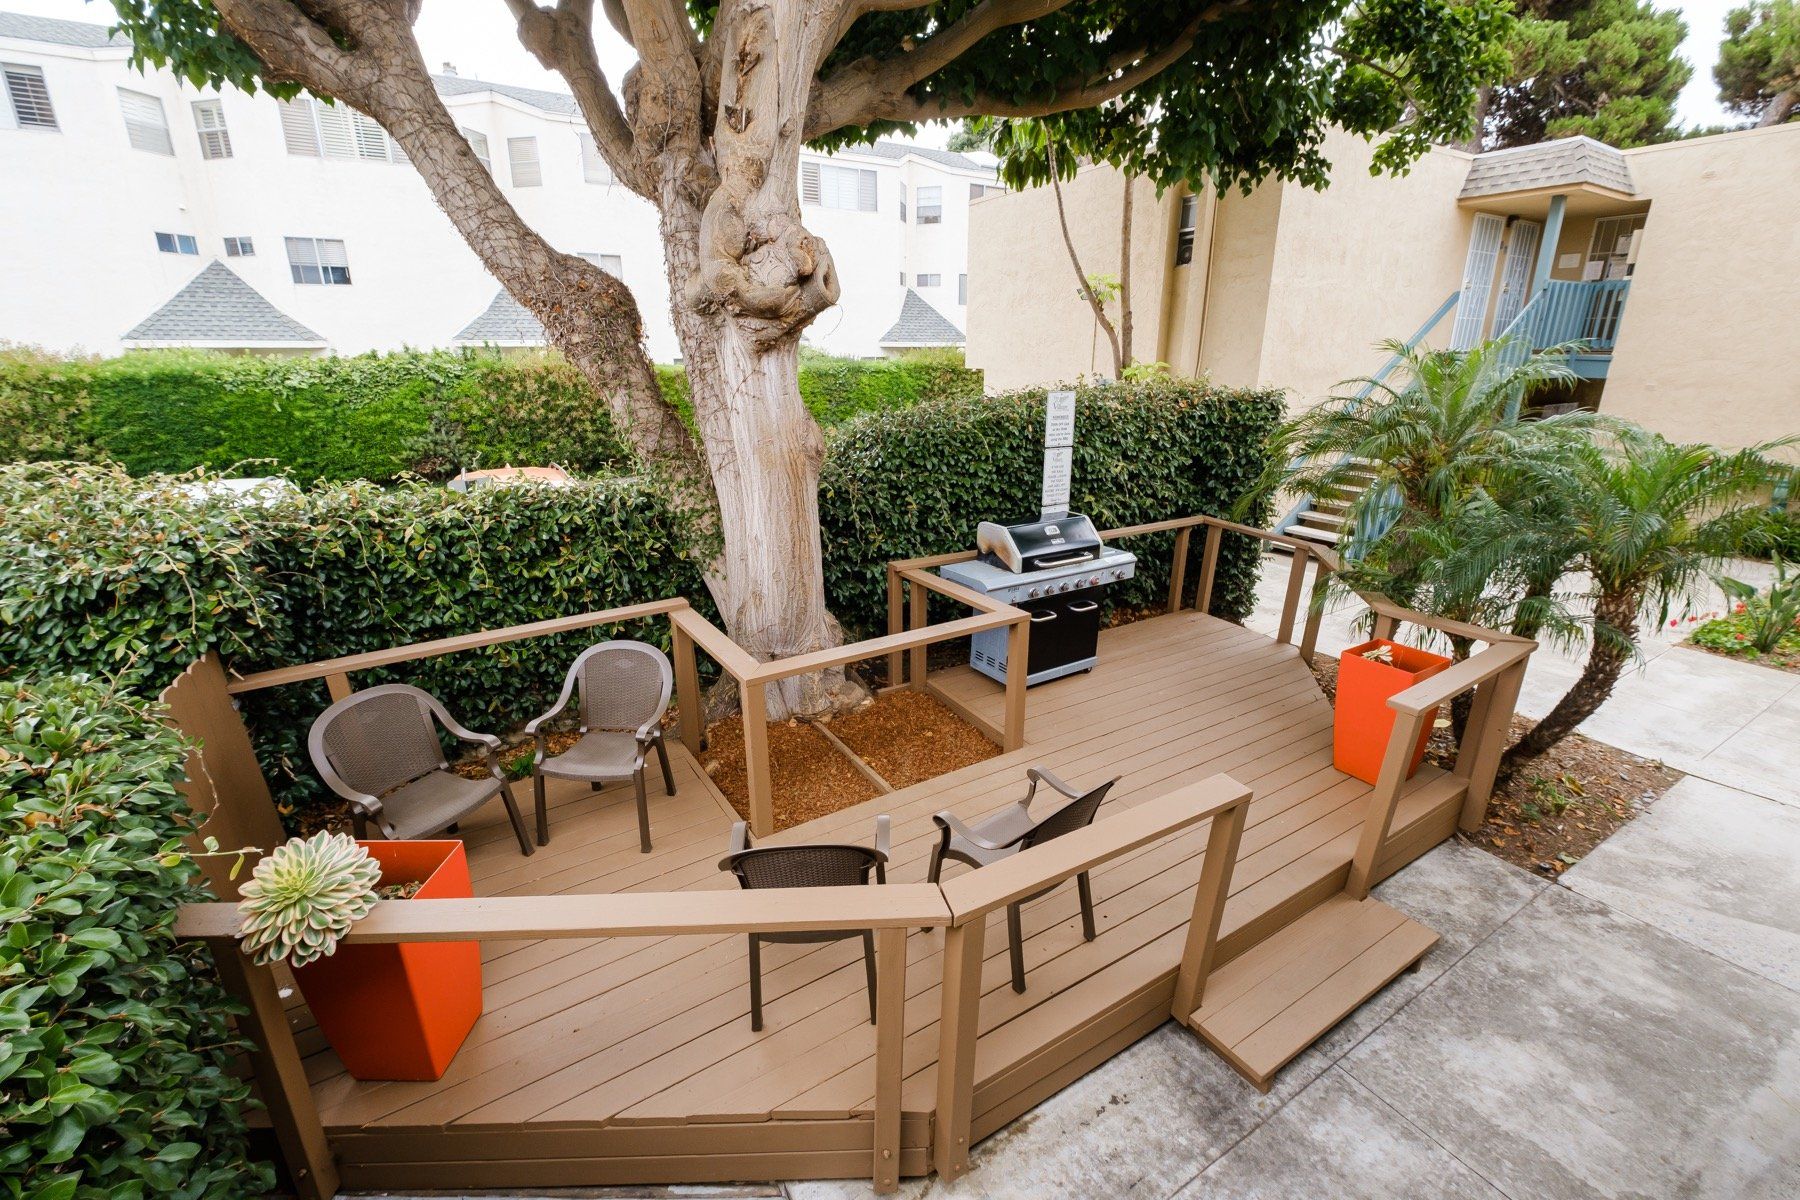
{"x":1039,"y":545}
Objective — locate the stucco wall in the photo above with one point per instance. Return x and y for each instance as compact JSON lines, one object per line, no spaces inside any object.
{"x":1708,"y":349}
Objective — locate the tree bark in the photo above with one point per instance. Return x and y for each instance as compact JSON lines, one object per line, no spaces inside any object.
{"x":1606,"y":662}
{"x":1124,"y":357}
{"x":1087,"y":289}
{"x":1781,"y":107}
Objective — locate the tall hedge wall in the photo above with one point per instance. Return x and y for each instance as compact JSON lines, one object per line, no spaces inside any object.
{"x":374,"y":416}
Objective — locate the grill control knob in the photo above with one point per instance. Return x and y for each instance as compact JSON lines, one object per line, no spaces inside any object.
{"x":1032,"y":594}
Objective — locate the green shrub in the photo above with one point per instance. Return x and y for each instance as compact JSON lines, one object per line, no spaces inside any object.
{"x":373,"y":416}
{"x":116,"y":1047}
{"x":907,"y":484}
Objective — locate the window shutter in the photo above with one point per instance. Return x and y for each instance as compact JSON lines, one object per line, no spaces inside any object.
{"x":336,"y":135}
{"x":962,"y":289}
{"x":809,"y":183}
{"x":613,"y":265}
{"x":522,"y":156}
{"x":479,"y":144}
{"x":371,"y":138}
{"x":865,"y":191}
{"x":303,"y":260}
{"x":297,"y":128}
{"x":593,"y":163}
{"x":397,"y":152}
{"x":209,"y":121}
{"x":30,"y":98}
{"x":146,"y":128}
{"x":333,"y":262}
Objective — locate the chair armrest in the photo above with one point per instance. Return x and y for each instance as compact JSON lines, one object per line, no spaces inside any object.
{"x":884,"y":835}
{"x":369,"y":806}
{"x":536,"y":723}
{"x":949,"y":821}
{"x":1035,"y":774}
{"x":740,"y":842}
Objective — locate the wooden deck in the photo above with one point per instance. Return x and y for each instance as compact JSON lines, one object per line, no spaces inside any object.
{"x":631,"y":1060}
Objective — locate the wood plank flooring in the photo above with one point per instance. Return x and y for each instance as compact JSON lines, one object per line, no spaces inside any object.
{"x":632,"y":1060}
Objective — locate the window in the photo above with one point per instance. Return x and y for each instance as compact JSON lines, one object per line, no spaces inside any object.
{"x":30,"y":98}
{"x":612,"y":264}
{"x":177,"y":243}
{"x":239,"y":247}
{"x":931,"y":205}
{"x":1609,"y":247}
{"x":962,"y":289}
{"x":318,"y":260}
{"x":978,"y":190}
{"x":479,"y":144}
{"x":593,"y":163}
{"x":145,"y":125}
{"x":209,"y":121}
{"x":336,"y":131}
{"x":1184,"y":234}
{"x":831,"y":186}
{"x":903,"y":205}
{"x":522,"y":157}
{"x":927,"y":280}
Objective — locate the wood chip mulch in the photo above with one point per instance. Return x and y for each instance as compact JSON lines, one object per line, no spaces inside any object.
{"x":1553,"y":811}
{"x":809,"y":776}
{"x":908,"y":737}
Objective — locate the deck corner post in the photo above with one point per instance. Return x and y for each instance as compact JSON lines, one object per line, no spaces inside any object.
{"x":280,"y":1073}
{"x":755,"y":705}
{"x":1209,"y":568}
{"x":1178,"y":569}
{"x":1495,"y":716}
{"x":890,"y":1047}
{"x":1290,"y":604}
{"x":1379,"y":817}
{"x":917,"y":664}
{"x":896,"y":616}
{"x":1018,"y":650}
{"x":1222,"y":841}
{"x":958,"y":1023}
{"x":687,"y":688}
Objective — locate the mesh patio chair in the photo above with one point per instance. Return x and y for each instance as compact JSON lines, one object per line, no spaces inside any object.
{"x":1014,"y":829}
{"x":625,"y":690}
{"x":378,"y":749}
{"x":835,"y":865}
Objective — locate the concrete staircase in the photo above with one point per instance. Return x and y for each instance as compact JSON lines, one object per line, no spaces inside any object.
{"x":1324,"y":518}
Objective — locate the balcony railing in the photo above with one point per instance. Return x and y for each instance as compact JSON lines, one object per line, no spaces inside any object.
{"x":1566,"y":311}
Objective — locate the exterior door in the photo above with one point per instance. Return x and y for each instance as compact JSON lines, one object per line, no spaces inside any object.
{"x":1515,"y":277}
{"x":1478,"y":280}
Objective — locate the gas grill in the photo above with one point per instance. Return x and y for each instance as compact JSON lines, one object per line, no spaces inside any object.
{"x":1054,"y":568}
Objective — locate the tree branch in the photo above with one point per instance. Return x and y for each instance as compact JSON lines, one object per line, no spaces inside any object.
{"x":563,"y":41}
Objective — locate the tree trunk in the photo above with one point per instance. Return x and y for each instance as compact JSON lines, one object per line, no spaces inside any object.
{"x":1605,"y":664}
{"x":1781,"y":107}
{"x":1124,"y":348}
{"x":1484,"y":99}
{"x":1087,"y":288}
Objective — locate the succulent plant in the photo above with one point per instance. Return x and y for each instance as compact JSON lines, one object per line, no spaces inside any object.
{"x":305,"y":896}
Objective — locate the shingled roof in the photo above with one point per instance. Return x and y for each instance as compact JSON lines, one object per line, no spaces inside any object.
{"x":1562,"y":163}
{"x":58,"y":33}
{"x":921,"y":325}
{"x":462,"y":85}
{"x":504,"y":322}
{"x":217,"y":308}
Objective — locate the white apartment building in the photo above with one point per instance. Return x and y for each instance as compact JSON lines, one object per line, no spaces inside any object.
{"x":138,"y":211}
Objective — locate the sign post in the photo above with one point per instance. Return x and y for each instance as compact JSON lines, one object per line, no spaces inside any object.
{"x":1059,"y":452}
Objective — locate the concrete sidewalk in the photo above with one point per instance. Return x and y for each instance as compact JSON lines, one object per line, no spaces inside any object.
{"x":1730,"y":722}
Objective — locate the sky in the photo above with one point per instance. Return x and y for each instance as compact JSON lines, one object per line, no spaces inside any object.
{"x":478,"y":37}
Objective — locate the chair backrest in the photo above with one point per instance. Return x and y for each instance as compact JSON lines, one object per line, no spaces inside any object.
{"x":1076,"y":814}
{"x":803,"y":866}
{"x":377,"y":739}
{"x":624,"y":685}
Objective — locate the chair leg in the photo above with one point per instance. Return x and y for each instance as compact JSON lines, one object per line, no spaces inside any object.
{"x":518,"y":822}
{"x":869,"y":968}
{"x":596,"y":787}
{"x":643,"y":811}
{"x":1086,"y":889}
{"x":543,"y":809}
{"x":662,"y":754}
{"x":755,"y":984}
{"x":1015,"y":943}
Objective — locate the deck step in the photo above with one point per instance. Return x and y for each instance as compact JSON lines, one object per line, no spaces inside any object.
{"x":1268,"y":1004}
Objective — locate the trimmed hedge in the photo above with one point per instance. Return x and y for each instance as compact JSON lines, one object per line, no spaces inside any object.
{"x":374,"y":416}
{"x":117,"y":1053}
{"x":914,"y":483}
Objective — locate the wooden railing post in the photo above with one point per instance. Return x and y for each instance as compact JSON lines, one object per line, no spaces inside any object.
{"x":338,"y":685}
{"x":1384,"y":800}
{"x":1178,"y":569}
{"x":1290,"y":604}
{"x":280,"y":1073}
{"x":1018,"y":645}
{"x":1494,"y":708}
{"x":1385,"y":626}
{"x":1209,"y":568}
{"x":916,"y":657}
{"x":890,"y":1046}
{"x":1315,"y":610}
{"x":896,"y":598}
{"x":959,"y":1019}
{"x":691,"y":703}
{"x":1209,"y":909}
{"x":754,"y":704}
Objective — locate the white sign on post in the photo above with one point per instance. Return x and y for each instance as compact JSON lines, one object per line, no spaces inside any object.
{"x":1059,"y":452}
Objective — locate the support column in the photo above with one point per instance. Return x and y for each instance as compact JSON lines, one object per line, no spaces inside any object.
{"x":1546,"y":258}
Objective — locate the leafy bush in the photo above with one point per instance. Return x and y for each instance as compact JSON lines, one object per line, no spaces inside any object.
{"x":907,"y":484}
{"x":116,"y":1047}
{"x":373,"y":416}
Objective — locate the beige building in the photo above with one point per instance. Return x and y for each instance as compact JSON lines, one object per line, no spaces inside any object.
{"x":1675,"y":265}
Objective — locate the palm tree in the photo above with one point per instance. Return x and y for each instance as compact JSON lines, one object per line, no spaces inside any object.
{"x":1649,"y":520}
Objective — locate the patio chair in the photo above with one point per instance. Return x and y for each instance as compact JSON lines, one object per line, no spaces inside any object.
{"x":625,"y":690}
{"x":1014,"y":829}
{"x":379,"y":750}
{"x":835,"y":865}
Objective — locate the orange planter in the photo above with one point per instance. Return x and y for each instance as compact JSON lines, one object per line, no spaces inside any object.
{"x":401,"y":1011}
{"x":1363,"y":721}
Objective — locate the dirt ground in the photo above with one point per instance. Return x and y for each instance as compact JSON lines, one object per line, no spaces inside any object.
{"x":1555,"y":810}
{"x":908,"y":737}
